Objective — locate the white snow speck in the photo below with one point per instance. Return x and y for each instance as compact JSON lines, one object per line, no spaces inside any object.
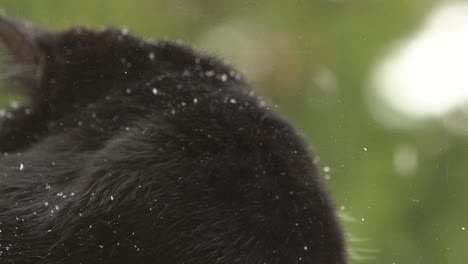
{"x":151,"y":56}
{"x":155,"y":91}
{"x":223,"y":77}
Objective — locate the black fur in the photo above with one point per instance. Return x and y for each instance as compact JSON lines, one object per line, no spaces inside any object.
{"x":131,"y":151}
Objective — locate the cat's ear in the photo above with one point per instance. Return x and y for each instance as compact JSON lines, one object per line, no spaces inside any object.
{"x":21,"y":40}
{"x":24,"y":45}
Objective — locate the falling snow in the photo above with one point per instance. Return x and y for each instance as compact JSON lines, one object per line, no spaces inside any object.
{"x":151,"y":56}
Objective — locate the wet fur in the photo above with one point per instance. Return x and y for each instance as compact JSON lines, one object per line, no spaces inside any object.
{"x":149,"y":152}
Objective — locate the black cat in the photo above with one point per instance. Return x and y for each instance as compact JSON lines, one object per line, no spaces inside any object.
{"x":131,"y":151}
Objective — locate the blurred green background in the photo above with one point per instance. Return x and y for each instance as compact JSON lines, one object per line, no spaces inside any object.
{"x":401,"y":191}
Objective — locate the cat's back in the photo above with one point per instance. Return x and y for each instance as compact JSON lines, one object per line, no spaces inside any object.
{"x":142,"y":152}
